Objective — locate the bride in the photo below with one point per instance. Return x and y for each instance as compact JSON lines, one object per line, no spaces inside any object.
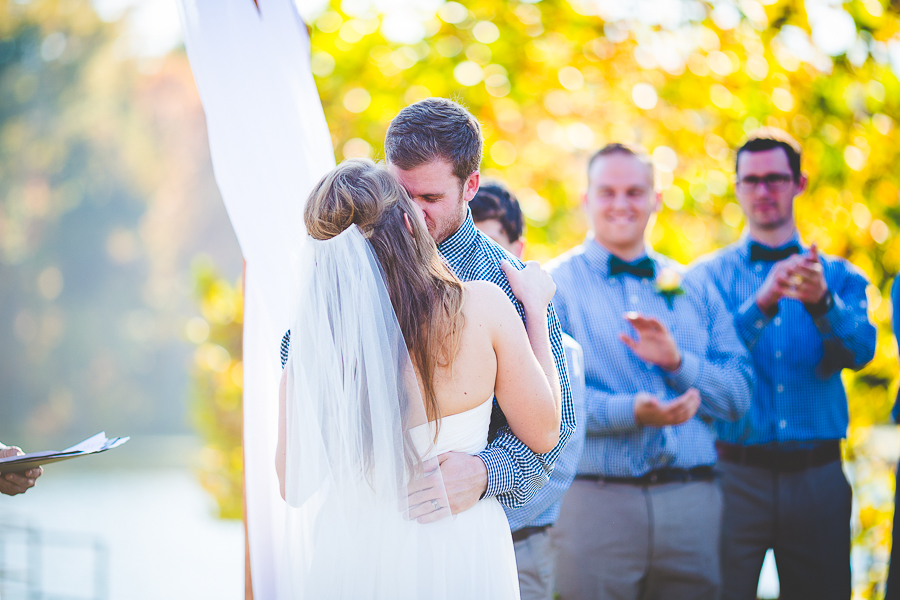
{"x":394,"y":361}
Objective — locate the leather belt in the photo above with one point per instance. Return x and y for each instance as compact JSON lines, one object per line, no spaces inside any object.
{"x":777,"y":459}
{"x":526,"y":532}
{"x":658,"y":476}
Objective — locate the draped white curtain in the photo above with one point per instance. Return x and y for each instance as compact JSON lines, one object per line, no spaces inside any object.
{"x":269,"y":144}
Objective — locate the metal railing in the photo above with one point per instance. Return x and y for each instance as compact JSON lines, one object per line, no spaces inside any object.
{"x":36,"y":564}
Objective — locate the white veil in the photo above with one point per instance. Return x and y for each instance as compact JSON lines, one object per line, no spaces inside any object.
{"x":356,"y":432}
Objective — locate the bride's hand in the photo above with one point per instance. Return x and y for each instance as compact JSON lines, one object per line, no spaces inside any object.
{"x":532,"y":285}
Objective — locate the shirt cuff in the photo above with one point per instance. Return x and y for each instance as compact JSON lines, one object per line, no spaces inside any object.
{"x":620,"y":412}
{"x":500,"y":471}
{"x":750,"y":321}
{"x":831,"y":321}
{"x":686,"y":375}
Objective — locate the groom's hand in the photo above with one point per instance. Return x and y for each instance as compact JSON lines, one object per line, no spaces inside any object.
{"x":464,"y":479}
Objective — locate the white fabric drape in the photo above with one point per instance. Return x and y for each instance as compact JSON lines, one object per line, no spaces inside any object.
{"x":269,"y":144}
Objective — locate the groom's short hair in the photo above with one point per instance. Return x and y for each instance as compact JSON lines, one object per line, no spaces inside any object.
{"x":433,"y":129}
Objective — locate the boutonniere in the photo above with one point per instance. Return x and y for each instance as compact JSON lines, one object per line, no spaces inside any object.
{"x":668,"y":285}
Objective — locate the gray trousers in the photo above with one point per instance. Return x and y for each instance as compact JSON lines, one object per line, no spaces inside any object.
{"x":804,"y":517}
{"x":619,"y":541}
{"x":536,"y":563}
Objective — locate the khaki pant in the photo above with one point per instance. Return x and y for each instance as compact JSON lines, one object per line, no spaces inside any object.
{"x":628,"y":542}
{"x":536,"y":563}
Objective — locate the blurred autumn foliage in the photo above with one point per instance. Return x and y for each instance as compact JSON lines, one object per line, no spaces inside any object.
{"x":106,"y":195}
{"x":216,"y":385}
{"x":550,"y":81}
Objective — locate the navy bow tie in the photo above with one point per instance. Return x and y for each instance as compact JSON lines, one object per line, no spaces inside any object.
{"x":759,"y":252}
{"x":641,"y":269}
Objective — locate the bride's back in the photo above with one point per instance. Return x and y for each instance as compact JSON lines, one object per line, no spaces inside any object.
{"x":468,"y":381}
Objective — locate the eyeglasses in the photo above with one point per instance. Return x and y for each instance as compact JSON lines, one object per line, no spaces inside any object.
{"x":774,"y":182}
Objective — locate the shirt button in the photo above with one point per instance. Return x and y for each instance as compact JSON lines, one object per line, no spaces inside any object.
{"x":778,"y":354}
{"x":758,"y":324}
{"x":758,"y":268}
{"x":633,"y":299}
{"x":780,"y":388}
{"x":782,"y":423}
{"x":777,"y":320}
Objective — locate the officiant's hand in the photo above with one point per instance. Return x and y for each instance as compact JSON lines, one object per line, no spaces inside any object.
{"x":16,"y":483}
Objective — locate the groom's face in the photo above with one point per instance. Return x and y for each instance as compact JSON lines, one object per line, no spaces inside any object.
{"x":440,"y":195}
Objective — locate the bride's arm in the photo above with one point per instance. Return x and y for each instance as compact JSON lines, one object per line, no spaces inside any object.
{"x":526,"y":377}
{"x":281,"y":447}
{"x":535,"y":288}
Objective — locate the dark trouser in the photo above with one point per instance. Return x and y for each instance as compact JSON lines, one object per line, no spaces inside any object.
{"x":893,"y":582}
{"x":803,"y":516}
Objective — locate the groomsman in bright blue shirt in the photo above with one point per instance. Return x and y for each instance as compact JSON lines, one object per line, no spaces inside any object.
{"x":662,"y":364}
{"x":803,"y":316}
{"x":892,"y":591}
{"x":497,"y":213}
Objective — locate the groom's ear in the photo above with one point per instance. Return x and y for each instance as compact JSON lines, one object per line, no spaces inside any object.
{"x":470,"y":188}
{"x":409,"y":226}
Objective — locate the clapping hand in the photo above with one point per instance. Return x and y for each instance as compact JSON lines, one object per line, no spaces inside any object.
{"x":16,"y":483}
{"x":800,"y":277}
{"x":653,"y":342}
{"x":807,"y":282}
{"x":649,"y":411}
{"x":532,"y":285}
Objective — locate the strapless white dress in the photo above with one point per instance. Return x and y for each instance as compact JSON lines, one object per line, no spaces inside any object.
{"x":473,"y":550}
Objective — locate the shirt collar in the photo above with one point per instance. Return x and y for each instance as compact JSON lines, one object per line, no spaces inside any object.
{"x":597,"y":255}
{"x":464,"y":237}
{"x":746,"y":240}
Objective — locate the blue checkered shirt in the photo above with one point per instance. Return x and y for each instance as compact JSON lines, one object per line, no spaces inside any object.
{"x":515,"y":473}
{"x":591,"y":306}
{"x":543,"y":509}
{"x":795,"y":401}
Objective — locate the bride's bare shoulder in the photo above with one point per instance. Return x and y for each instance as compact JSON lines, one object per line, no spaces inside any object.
{"x":486,"y":298}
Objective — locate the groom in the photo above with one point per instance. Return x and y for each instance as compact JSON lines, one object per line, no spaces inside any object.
{"x":434,"y":148}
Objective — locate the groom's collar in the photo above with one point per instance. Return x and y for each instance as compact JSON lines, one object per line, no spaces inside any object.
{"x":462,"y":239}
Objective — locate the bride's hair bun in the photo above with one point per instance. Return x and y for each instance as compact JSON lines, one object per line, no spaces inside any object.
{"x":354,"y":193}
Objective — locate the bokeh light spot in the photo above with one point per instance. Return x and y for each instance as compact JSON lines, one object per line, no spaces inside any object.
{"x":453,"y":13}
{"x":357,"y":100}
{"x":357,"y":148}
{"x":468,"y":73}
{"x":664,"y":159}
{"x":879,"y":231}
{"x":50,"y":283}
{"x":486,"y":32}
{"x":503,"y":153}
{"x":571,"y":78}
{"x":644,"y":96}
{"x":197,"y":330}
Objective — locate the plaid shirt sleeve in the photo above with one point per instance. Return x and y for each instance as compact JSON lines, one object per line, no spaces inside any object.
{"x":724,"y":375}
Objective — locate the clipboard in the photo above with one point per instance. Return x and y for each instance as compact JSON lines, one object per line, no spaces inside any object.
{"x":93,"y":445}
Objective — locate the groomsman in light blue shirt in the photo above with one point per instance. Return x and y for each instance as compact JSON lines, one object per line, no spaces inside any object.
{"x":803,"y":316}
{"x":497,"y":214}
{"x":663,"y":363}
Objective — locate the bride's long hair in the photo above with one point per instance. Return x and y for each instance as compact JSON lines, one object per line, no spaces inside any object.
{"x":426,"y":295}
